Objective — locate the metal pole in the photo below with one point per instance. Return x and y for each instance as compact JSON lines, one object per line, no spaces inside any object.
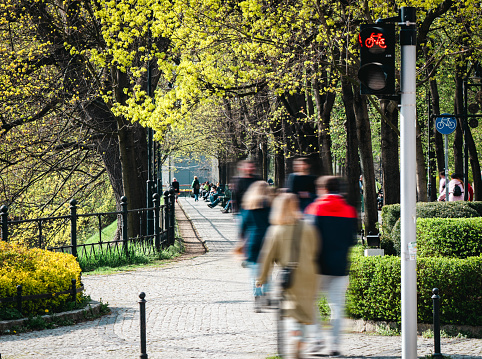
{"x":446,"y":139}
{"x":73,"y":226}
{"x":142,"y":310}
{"x":436,"y":324}
{"x":408,"y":35}
{"x":4,"y":215}
{"x":150,"y":182}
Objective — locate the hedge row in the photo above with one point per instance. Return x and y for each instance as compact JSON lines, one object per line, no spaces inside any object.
{"x":457,"y":209}
{"x":454,"y":237}
{"x":375,"y":289}
{"x":39,"y":272}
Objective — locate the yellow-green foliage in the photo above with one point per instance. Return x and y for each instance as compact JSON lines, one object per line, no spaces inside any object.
{"x":39,"y":272}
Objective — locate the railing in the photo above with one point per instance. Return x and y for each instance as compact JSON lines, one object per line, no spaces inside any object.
{"x":41,"y":231}
{"x":19,"y":298}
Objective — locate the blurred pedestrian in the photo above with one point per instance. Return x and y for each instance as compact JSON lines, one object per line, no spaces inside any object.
{"x":291,"y":240}
{"x":195,"y":188}
{"x":241,"y":183}
{"x":246,"y":177}
{"x":301,"y":182}
{"x":254,"y":223}
{"x":337,"y":225}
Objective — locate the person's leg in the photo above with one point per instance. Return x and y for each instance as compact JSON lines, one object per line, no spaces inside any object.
{"x":315,"y":336}
{"x":257,"y":291}
{"x":335,"y":294}
{"x":293,"y":338}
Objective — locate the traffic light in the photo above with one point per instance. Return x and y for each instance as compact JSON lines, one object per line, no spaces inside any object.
{"x":377,"y":59}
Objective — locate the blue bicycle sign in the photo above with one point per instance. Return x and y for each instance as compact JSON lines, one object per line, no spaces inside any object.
{"x":445,"y":123}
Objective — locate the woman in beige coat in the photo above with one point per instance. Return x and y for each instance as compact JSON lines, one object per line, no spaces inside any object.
{"x":299,"y":299}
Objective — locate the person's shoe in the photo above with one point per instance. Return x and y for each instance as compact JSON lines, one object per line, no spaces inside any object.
{"x":335,"y":353}
{"x":314,"y":350}
{"x":210,"y":205}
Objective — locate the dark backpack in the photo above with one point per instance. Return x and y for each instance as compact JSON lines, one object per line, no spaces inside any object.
{"x":457,"y":191}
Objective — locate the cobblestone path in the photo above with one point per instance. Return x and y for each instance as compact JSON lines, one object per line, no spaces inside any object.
{"x":199,"y":307}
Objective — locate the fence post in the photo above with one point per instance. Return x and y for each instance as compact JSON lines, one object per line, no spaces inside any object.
{"x":172,"y":219}
{"x":73,"y":226}
{"x":73,"y":292}
{"x":125,"y":235}
{"x":436,"y":323}
{"x":4,"y":216}
{"x":166,"y":216}
{"x":157,"y":234}
{"x":19,"y":298}
{"x":142,"y":310}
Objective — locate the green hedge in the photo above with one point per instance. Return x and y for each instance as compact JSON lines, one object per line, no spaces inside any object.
{"x":390,"y":234}
{"x":374,"y":292}
{"x":458,"y":209}
{"x":449,"y":237}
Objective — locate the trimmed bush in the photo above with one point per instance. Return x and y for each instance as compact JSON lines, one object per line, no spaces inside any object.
{"x":38,"y":272}
{"x":457,"y":209}
{"x":391,"y":218}
{"x":449,"y":237}
{"x":375,"y":289}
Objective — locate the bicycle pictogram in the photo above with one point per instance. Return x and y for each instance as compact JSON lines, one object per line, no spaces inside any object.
{"x":375,"y":39}
{"x":445,"y":121}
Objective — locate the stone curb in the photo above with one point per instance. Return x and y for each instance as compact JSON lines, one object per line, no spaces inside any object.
{"x":93,"y":308}
{"x":370,"y":326}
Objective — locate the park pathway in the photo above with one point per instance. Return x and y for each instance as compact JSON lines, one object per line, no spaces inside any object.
{"x":199,"y":307}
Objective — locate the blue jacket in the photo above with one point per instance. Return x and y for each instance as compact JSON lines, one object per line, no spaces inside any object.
{"x":254,"y":224}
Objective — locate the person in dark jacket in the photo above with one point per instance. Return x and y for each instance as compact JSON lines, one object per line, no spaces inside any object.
{"x":175,"y":186}
{"x":254,"y":223}
{"x":301,"y":182}
{"x":337,"y":224}
{"x":195,"y":188}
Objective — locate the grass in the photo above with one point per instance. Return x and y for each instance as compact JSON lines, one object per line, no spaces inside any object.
{"x":107,"y":262}
{"x":107,"y":234}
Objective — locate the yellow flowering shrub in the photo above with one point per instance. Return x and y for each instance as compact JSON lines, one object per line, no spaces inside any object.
{"x":38,"y":271}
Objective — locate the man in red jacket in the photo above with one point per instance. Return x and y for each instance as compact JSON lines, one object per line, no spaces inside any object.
{"x":337,"y":224}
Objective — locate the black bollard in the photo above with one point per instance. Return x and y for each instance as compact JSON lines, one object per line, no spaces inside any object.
{"x":142,"y":310}
{"x":436,"y":323}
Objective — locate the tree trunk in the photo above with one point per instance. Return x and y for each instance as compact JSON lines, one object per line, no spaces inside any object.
{"x":390,"y":155}
{"x":352,"y":161}
{"x":421,"y":168}
{"x":366,"y":153}
{"x":459,"y":109}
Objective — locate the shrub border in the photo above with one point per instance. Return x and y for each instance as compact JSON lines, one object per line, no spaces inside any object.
{"x":93,"y":308}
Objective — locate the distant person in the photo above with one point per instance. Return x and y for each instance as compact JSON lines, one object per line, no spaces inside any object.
{"x":196,"y":186}
{"x":299,"y":300}
{"x":301,"y":182}
{"x":456,"y":189}
{"x":246,"y":177}
{"x":470,"y":190}
{"x":175,"y":186}
{"x":441,"y":182}
{"x":337,"y":225}
{"x":254,"y":223}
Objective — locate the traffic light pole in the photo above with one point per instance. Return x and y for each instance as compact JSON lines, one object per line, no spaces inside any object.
{"x":408,"y":37}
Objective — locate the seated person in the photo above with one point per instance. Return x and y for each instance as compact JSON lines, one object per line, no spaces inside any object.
{"x":215,"y":197}
{"x":227,"y":208}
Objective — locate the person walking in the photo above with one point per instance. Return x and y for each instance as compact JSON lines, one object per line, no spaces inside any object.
{"x":290,"y":239}
{"x":254,"y":223}
{"x":337,"y":225}
{"x":175,"y":186}
{"x":456,"y":189}
{"x":301,"y":182}
{"x":195,"y":188}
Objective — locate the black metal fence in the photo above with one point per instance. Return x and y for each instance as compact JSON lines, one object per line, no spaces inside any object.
{"x":154,"y":229}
